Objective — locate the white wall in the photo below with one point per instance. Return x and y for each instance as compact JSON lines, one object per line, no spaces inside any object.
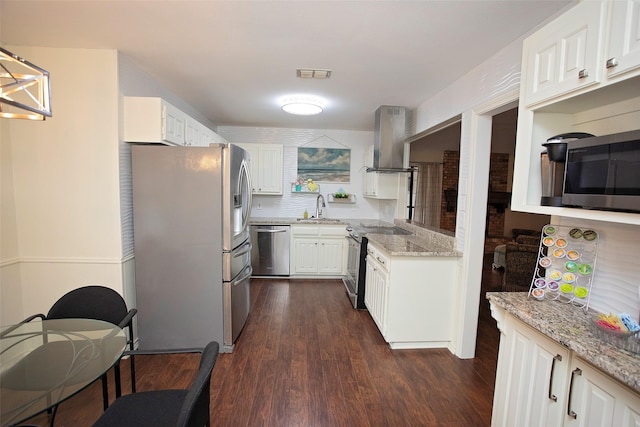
{"x":292,"y":204}
{"x":60,"y":190}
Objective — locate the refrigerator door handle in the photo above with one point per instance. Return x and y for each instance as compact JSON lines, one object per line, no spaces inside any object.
{"x":244,"y":173}
{"x":243,"y":277}
{"x":245,"y":250}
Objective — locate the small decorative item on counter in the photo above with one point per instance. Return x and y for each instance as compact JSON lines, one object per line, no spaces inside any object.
{"x":305,"y":215}
{"x":618,"y":329}
{"x":617,"y":323}
{"x":566,"y":262}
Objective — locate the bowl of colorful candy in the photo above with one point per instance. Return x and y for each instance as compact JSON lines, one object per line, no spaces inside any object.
{"x":618,"y":329}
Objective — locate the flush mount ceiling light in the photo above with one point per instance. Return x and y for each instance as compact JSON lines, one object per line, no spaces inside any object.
{"x":25,"y":91}
{"x":302,"y":106}
{"x":310,"y":73}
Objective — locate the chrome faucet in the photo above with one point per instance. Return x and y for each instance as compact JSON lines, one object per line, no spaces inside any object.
{"x":318,"y":208}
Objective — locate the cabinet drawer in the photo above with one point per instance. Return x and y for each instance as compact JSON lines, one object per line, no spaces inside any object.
{"x":379,"y":256}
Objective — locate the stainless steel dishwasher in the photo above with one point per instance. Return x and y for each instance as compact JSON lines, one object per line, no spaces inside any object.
{"x":270,"y":251}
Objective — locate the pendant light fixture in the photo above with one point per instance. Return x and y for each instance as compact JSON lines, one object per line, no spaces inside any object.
{"x":25,"y":91}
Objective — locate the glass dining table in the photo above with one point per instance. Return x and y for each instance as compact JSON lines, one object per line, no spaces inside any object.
{"x":42,"y":363}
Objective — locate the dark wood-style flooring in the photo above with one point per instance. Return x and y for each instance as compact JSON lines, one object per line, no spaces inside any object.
{"x":307,"y":358}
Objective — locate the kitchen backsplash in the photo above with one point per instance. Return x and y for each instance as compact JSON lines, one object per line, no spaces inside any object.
{"x":292,"y":204}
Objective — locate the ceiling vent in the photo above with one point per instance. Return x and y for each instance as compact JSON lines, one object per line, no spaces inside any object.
{"x":308,"y":73}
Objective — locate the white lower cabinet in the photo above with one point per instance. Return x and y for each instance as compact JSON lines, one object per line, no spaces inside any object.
{"x":597,"y":400}
{"x":530,"y":379}
{"x":410,"y":298}
{"x":541,"y":383}
{"x":317,"y":250}
{"x":377,"y":288}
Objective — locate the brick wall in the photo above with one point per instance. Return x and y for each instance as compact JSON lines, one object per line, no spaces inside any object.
{"x":498,"y":175}
{"x":450,"y":168}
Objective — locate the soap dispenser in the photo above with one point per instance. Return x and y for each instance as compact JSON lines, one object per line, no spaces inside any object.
{"x":306,"y":214}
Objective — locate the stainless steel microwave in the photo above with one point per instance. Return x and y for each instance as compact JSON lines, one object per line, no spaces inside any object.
{"x":603,"y":172}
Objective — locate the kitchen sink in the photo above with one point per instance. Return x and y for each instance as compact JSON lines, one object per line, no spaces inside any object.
{"x":319,"y":220}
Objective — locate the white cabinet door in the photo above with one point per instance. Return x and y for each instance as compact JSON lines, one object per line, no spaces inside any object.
{"x":266,"y":167}
{"x":597,"y":400}
{"x":379,"y":185}
{"x":270,"y":169}
{"x":331,"y":256}
{"x":623,"y":52}
{"x":173,"y":124}
{"x":376,"y":293}
{"x":564,"y":55}
{"x":193,"y":131}
{"x":317,"y":250}
{"x":305,"y":255}
{"x":531,"y":390}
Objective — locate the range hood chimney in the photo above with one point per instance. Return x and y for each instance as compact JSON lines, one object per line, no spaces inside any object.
{"x":391,"y":129}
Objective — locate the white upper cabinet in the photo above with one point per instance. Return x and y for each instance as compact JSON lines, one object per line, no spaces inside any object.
{"x":564,"y":56}
{"x":266,"y":167}
{"x":623,"y":53}
{"x":592,"y":36}
{"x":154,"y":120}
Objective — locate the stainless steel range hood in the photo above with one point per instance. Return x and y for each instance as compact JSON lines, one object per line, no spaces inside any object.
{"x":393,"y":126}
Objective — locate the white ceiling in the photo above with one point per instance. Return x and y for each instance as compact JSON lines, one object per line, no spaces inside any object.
{"x":233,"y":60}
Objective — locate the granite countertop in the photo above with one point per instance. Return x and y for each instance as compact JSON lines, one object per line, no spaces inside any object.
{"x":412,"y":245}
{"x":293,"y":220}
{"x":423,"y":242}
{"x":571,"y":327}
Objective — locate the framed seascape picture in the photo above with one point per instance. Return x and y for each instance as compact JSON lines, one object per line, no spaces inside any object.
{"x":325,"y":164}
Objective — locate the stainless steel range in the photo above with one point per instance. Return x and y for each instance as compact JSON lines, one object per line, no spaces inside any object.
{"x":354,"y":281}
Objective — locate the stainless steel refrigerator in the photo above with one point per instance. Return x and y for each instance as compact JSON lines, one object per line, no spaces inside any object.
{"x":191,"y":207}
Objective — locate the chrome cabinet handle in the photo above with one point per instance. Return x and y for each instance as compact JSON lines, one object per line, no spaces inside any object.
{"x":381,"y":261}
{"x":612,"y":62}
{"x":583,"y":74}
{"x":556,"y":358}
{"x":571,"y":412}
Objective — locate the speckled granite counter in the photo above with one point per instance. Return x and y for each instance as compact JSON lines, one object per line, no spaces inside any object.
{"x":293,"y":220}
{"x":412,"y":245}
{"x":570,"y":326}
{"x":423,"y":242}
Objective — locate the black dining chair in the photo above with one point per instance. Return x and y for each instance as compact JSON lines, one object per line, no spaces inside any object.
{"x":182,"y":408}
{"x":99,"y":303}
